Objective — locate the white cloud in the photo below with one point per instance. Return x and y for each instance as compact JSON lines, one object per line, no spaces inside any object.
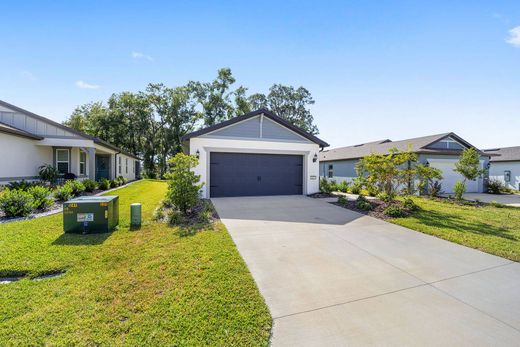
{"x":85,"y":85}
{"x":514,"y":37}
{"x":139,"y":55}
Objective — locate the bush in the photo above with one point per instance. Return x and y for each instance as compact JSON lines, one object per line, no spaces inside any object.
{"x":496,"y":204}
{"x":395,"y":211}
{"x":76,"y":187}
{"x":48,"y":173}
{"x":183,"y":183}
{"x":410,"y":205}
{"x":385,"y":197}
{"x":41,"y":197}
{"x":343,"y":187}
{"x":115,"y":183}
{"x":16,"y":203}
{"x":363,"y":204}
{"x":63,"y":193}
{"x":459,"y":189}
{"x":104,"y":184}
{"x":371,"y":190}
{"x":325,"y":186}
{"x":435,"y":189}
{"x":90,"y":185}
{"x":356,"y":189}
{"x":176,"y":218}
{"x":342,"y":200}
{"x":495,"y":186}
{"x":122,"y":180}
{"x":206,"y":213}
{"x":21,"y":185}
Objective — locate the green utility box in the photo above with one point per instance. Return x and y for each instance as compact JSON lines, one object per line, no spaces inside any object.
{"x":91,"y":214}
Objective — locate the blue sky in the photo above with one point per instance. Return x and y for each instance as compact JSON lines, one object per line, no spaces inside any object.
{"x":377,"y":69}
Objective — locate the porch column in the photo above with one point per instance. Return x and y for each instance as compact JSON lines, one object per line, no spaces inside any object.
{"x":91,"y":163}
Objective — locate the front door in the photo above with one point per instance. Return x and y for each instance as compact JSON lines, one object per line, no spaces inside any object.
{"x":102,"y":166}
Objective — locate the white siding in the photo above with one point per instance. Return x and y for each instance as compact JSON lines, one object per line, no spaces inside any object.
{"x":130,"y":175}
{"x":21,"y":157}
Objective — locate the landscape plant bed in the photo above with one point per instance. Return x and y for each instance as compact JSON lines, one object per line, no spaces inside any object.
{"x":377,"y":210}
{"x":321,"y":195}
{"x":203,"y":213}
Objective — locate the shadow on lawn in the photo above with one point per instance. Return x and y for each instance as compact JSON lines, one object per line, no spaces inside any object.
{"x":80,"y":239}
{"x":451,"y":221}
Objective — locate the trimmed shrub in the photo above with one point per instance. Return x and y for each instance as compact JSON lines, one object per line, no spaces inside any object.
{"x":76,"y":186}
{"x":355,"y":189}
{"x":122,"y":180}
{"x":104,"y":184}
{"x":496,"y":204}
{"x":16,"y":203}
{"x":410,"y":205}
{"x":495,"y":186}
{"x":63,"y":193}
{"x":90,"y":185}
{"x":21,"y":185}
{"x":363,"y":204}
{"x":385,"y":197}
{"x":343,"y":187}
{"x":459,"y":189}
{"x":48,"y":173}
{"x":42,"y":198}
{"x":114,"y":183}
{"x":342,"y":200}
{"x":325,"y":186}
{"x":395,"y":211}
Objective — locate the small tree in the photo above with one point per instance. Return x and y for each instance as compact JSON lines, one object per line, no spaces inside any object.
{"x":387,"y":172}
{"x":469,"y":165}
{"x":183,"y":183}
{"x":48,"y":173}
{"x":428,"y":176}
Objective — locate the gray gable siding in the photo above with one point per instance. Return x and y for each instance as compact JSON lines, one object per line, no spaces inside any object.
{"x":33,"y":125}
{"x":250,"y":129}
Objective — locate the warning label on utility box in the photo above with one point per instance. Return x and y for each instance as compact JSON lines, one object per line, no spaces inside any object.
{"x":85,"y":217}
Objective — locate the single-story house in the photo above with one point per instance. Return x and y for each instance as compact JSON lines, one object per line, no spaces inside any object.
{"x":255,"y":154}
{"x":505,"y":166}
{"x":441,"y":151}
{"x":28,"y":141}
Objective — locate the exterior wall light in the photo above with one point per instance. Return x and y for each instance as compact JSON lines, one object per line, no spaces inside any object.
{"x":315,"y":158}
{"x":197,"y":154}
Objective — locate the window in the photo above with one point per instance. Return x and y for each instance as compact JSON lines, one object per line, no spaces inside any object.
{"x":62,"y":160}
{"x":119,"y":165}
{"x":331,"y":171}
{"x":126,"y":165}
{"x":82,"y":163}
{"x":507,"y":176}
{"x":133,"y":166}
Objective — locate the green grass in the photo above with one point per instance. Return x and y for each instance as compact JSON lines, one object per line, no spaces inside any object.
{"x":151,"y":287}
{"x":490,"y":229}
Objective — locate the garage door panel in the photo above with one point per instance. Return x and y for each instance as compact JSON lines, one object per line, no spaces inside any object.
{"x":251,"y":174}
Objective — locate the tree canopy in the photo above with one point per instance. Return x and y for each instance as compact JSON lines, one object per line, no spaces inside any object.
{"x":151,"y":123}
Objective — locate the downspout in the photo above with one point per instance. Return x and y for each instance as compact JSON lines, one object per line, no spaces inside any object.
{"x":115,"y":164}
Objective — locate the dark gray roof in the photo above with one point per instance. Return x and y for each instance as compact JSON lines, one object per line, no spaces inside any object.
{"x":266,"y":113}
{"x":6,"y":128}
{"x":417,"y":145}
{"x":64,"y":127}
{"x":504,"y":154}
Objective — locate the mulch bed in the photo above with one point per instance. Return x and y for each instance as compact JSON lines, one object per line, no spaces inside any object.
{"x":321,"y":195}
{"x":378,"y":207}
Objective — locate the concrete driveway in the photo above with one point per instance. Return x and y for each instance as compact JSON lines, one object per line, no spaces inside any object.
{"x":506,"y":199}
{"x":332,"y":277}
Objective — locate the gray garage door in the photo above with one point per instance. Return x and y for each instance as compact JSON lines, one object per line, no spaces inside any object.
{"x":247,"y":174}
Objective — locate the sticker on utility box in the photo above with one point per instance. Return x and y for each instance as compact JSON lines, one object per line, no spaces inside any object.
{"x":85,"y":217}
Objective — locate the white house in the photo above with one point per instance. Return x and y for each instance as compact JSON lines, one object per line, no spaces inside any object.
{"x":28,"y":141}
{"x":255,"y":154}
{"x":505,"y":166}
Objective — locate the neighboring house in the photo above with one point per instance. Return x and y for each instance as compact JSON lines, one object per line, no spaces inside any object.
{"x":440,"y":151}
{"x":258,"y":153}
{"x":28,"y":141}
{"x":505,"y":166}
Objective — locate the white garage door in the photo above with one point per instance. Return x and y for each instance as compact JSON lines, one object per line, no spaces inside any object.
{"x":450,"y":177}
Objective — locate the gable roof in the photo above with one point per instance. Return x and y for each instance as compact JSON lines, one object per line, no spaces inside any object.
{"x":249,"y":115}
{"x":61,"y":126}
{"x":8,"y":129}
{"x":504,"y":154}
{"x":418,"y":144}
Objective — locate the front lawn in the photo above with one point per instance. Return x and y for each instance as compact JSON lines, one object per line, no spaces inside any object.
{"x":155,"y":286}
{"x":491,"y":229}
